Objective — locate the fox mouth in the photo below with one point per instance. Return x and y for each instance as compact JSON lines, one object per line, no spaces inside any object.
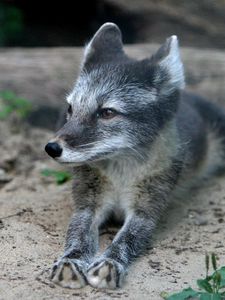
{"x":79,"y":158}
{"x":105,"y":149}
{"x":81,"y":155}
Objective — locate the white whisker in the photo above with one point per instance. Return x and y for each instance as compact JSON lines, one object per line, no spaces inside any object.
{"x":137,"y":152}
{"x":88,"y":144}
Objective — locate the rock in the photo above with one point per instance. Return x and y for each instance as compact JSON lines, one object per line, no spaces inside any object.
{"x":1,"y":224}
{"x":200,"y":220}
{"x":198,"y":23}
{"x":4,"y":178}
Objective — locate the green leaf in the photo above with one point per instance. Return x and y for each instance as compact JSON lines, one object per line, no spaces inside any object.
{"x":164,"y":294}
{"x":7,"y":95}
{"x":206,"y":296}
{"x":11,"y":103}
{"x":60,"y":176}
{"x":214,"y":263}
{"x":221,"y":271}
{"x":204,"y":285}
{"x":184,"y":295}
{"x":11,"y":19}
{"x":217,"y":279}
{"x":207,"y":263}
{"x":5,"y":112}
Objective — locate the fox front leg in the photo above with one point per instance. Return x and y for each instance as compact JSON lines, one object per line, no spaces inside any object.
{"x":81,"y":244}
{"x":150,"y":200}
{"x":130,"y":242}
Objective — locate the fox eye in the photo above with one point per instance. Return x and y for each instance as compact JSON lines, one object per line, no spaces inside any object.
{"x":70,"y":110}
{"x":106,"y":113}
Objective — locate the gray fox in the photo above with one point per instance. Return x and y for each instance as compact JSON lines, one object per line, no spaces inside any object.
{"x":135,"y":139}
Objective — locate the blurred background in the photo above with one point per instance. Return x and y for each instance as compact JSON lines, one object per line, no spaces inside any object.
{"x":26,"y":23}
{"x":41,"y":45}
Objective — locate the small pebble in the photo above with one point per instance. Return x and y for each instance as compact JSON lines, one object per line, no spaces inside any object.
{"x":201,"y":221}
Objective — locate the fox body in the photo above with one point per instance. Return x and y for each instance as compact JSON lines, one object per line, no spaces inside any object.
{"x":136,"y":139}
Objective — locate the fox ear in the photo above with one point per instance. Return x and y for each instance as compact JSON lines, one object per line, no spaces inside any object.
{"x":168,"y":58}
{"x":105,"y":45}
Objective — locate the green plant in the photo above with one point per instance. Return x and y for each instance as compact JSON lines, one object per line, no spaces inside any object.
{"x":212,"y":287}
{"x":11,"y":24}
{"x":10,"y":103}
{"x":60,"y":176}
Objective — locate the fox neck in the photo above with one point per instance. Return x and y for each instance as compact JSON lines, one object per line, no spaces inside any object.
{"x":149,"y":161}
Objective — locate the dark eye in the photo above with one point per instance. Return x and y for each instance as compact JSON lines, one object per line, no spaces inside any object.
{"x":70,"y":110}
{"x":106,"y":113}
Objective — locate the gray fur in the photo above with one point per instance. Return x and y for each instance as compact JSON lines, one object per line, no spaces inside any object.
{"x":105,"y":45}
{"x":159,"y":140}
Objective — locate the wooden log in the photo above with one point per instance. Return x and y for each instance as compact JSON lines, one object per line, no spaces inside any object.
{"x":46,"y":75}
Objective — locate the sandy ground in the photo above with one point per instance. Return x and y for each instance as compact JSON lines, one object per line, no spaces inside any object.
{"x":35,"y":212}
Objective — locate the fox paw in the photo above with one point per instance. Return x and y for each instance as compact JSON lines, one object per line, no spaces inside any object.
{"x":105,"y":273}
{"x":69,"y":273}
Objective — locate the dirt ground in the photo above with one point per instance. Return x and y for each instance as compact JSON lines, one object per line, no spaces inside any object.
{"x":34,"y":214}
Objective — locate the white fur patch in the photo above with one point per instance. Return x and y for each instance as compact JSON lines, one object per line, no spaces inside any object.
{"x":124,"y":173}
{"x":69,"y":98}
{"x":90,"y":87}
{"x":81,"y":155}
{"x":173,"y":64}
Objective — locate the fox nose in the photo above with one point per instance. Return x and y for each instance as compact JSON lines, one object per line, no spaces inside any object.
{"x":53,"y":149}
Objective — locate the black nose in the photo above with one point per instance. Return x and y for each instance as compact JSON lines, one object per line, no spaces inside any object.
{"x":53,"y":149}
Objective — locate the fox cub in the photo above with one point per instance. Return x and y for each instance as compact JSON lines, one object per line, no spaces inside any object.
{"x":135,"y":139}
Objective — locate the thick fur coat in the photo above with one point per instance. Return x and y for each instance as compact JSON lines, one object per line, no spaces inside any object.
{"x":135,"y":139}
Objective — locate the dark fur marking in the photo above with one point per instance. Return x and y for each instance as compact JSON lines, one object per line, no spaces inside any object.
{"x":108,"y":277}
{"x":53,"y":271}
{"x":74,"y":276}
{"x":60,"y":276}
{"x":80,"y":271}
{"x":96,"y":272}
{"x":117,"y":276}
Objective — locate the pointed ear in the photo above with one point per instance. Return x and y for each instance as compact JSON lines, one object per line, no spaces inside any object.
{"x":105,"y":45}
{"x":168,"y":58}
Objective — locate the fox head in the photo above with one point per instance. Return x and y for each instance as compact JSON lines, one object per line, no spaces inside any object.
{"x":118,"y":105}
